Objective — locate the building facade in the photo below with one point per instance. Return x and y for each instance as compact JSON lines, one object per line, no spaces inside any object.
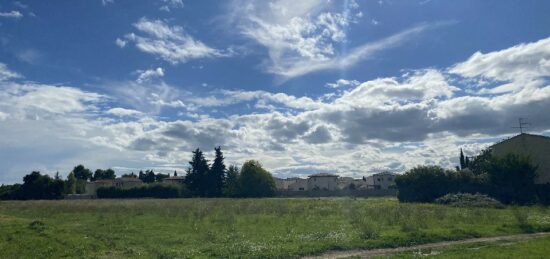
{"x":322,"y":181}
{"x":120,"y":183}
{"x":383,"y":181}
{"x":536,"y":147}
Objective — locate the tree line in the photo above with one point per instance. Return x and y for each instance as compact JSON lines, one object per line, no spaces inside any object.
{"x":202,"y":179}
{"x":216,"y":180}
{"x":509,"y":179}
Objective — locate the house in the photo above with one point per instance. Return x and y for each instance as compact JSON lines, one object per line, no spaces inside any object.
{"x":91,"y":187}
{"x":322,"y":181}
{"x":291,"y":184}
{"x":536,"y":147}
{"x":127,"y":183}
{"x":345,"y":182}
{"x":381,"y":181}
{"x":120,"y":183}
{"x":175,"y":180}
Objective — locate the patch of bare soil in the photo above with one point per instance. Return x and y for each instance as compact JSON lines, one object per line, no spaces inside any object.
{"x":388,"y":251}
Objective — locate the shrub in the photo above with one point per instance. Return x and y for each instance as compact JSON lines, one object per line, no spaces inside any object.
{"x":422,"y":184}
{"x":255,"y":181}
{"x":150,"y":191}
{"x":543,"y":193}
{"x":469,"y":200}
{"x":512,"y":179}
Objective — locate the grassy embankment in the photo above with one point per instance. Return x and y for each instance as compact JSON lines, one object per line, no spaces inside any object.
{"x":242,"y":227}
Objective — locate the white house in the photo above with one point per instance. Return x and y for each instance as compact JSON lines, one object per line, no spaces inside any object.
{"x":384,"y":180}
{"x":297,"y":184}
{"x":322,"y":181}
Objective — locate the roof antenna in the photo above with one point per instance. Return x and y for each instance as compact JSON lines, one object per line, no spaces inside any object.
{"x":522,"y":124}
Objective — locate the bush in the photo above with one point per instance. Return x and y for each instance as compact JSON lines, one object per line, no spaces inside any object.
{"x":509,"y":179}
{"x":422,"y":184}
{"x":469,"y":200}
{"x":543,"y":193}
{"x":255,"y":181}
{"x":512,"y":179}
{"x":151,"y":191}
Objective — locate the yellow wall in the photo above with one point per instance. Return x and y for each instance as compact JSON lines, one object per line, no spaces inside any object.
{"x":536,"y":147}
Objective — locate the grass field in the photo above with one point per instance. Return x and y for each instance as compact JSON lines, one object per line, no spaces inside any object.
{"x":534,"y":248}
{"x":181,"y":228}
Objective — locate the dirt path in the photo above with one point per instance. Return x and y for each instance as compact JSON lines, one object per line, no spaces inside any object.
{"x":387,"y":251}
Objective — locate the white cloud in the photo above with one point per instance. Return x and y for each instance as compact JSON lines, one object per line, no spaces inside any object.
{"x":355,"y":55}
{"x":11,"y":14}
{"x":171,"y":4}
{"x":120,"y":42}
{"x":3,"y":116}
{"x":293,"y":31}
{"x":521,"y":62}
{"x":302,"y":37}
{"x":170,"y":43}
{"x":43,"y":100}
{"x":6,"y":74}
{"x":343,"y":83}
{"x":146,"y":75}
{"x":393,"y":123}
{"x":122,"y":112}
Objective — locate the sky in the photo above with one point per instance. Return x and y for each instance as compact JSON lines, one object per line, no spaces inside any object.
{"x":347,"y":87}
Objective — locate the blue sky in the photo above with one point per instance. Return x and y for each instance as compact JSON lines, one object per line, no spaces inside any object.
{"x":352,"y":87}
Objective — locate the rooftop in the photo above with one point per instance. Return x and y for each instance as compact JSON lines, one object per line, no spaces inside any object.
{"x":323,"y":175}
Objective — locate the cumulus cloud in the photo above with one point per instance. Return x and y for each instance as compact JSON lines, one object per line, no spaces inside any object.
{"x":394,"y":123}
{"x":170,"y":43}
{"x":146,"y":75}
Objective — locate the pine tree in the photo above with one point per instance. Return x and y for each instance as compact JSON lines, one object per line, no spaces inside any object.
{"x":216,"y":175}
{"x":196,"y":178}
{"x":231,"y":187}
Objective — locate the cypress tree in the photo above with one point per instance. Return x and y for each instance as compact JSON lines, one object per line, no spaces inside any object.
{"x":462,"y":162}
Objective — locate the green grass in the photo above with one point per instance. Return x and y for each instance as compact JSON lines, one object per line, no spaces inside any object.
{"x":533,"y":248}
{"x":183,"y":228}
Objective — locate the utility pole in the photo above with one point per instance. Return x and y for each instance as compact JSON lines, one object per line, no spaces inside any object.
{"x":522,"y":124}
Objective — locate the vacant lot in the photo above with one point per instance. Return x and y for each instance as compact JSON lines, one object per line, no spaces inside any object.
{"x":181,"y":228}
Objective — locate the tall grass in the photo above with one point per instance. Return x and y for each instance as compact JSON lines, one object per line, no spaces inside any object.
{"x":186,"y":228}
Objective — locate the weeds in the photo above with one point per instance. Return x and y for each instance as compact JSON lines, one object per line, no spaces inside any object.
{"x":250,"y":228}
